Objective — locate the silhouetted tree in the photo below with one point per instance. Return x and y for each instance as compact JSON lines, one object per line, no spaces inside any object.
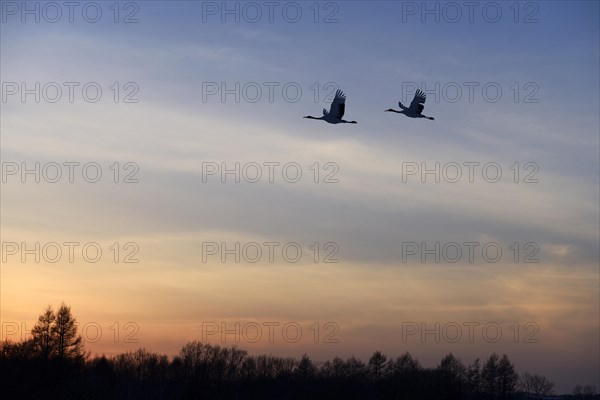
{"x":404,"y":371}
{"x":490,"y":376}
{"x":405,"y":364}
{"x":474,"y":380}
{"x":537,"y":387}
{"x":25,"y":350}
{"x":377,"y":364}
{"x":306,"y":369}
{"x":508,"y":378}
{"x":43,"y":334}
{"x":234,"y":359}
{"x":452,"y":373}
{"x":64,"y":333}
{"x":356,"y":369}
{"x":335,"y":368}
{"x":248,"y":369}
{"x":584,"y":391}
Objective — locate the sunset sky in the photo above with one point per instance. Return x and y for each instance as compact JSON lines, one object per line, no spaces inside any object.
{"x":519,"y":87}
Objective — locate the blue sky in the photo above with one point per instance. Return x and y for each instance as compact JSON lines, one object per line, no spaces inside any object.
{"x":370,"y":53}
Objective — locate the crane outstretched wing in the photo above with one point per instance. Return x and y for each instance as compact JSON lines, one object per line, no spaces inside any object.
{"x":338,"y":107}
{"x":418,"y":103}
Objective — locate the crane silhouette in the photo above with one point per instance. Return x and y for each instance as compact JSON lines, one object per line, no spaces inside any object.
{"x":416,"y":106}
{"x":336,"y":111}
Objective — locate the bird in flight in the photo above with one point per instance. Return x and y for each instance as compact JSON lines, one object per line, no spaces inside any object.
{"x":416,"y":106}
{"x":336,"y":112}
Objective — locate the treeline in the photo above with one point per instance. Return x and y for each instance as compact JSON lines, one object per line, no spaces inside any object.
{"x":53,"y":365}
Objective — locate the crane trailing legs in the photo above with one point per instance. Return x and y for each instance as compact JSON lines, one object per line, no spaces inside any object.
{"x":336,"y":111}
{"x":416,"y":106}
